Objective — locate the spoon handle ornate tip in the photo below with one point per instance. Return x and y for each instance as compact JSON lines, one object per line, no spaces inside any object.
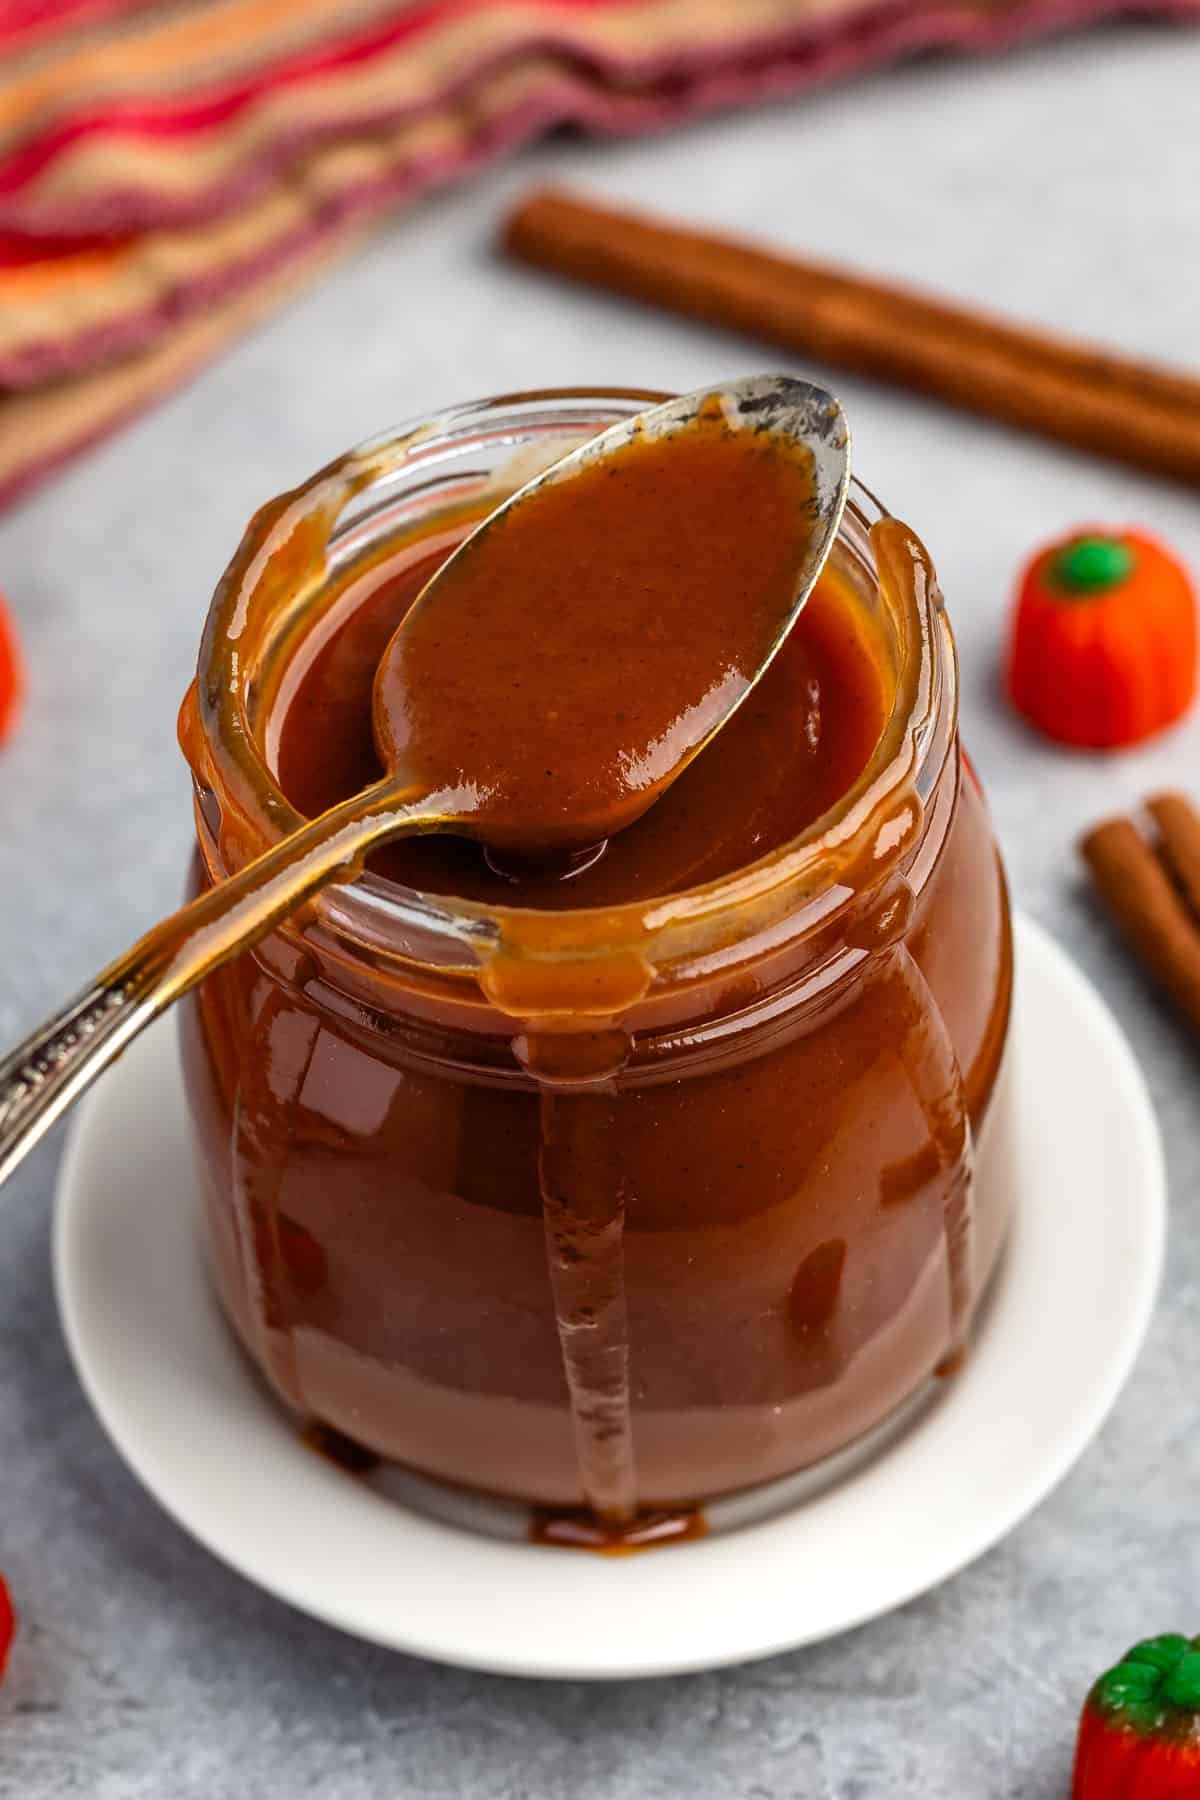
{"x":46,"y":1073}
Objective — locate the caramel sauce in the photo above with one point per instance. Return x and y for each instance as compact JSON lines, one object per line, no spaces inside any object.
{"x":583,"y":644}
{"x":335,"y":1447}
{"x":786,"y":756}
{"x":584,"y":1531}
{"x":780,"y":762}
{"x":432,"y":1180}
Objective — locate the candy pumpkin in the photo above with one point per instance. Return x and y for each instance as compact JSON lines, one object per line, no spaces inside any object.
{"x":1139,"y":1736}
{"x":8,"y":1625}
{"x":1103,"y":648}
{"x":12,"y":676}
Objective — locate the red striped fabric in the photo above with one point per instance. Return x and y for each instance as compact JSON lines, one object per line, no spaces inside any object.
{"x":169,"y":167}
{"x":24,"y":21}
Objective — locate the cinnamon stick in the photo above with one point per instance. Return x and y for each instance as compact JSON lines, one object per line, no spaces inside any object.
{"x":1178,"y":825}
{"x":1072,"y":393}
{"x":1148,"y":909}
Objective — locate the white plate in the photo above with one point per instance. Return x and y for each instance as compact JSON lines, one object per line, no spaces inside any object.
{"x":1062,"y":1327}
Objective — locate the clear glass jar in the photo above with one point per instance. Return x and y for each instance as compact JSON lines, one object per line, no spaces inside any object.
{"x":706,"y":1235}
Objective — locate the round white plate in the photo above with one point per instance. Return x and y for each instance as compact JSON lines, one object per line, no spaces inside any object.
{"x":1063,"y":1324}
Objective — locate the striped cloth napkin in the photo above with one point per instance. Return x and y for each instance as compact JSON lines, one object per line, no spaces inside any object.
{"x":170,"y":168}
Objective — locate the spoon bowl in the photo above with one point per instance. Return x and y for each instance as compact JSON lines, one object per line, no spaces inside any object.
{"x":602,"y":740}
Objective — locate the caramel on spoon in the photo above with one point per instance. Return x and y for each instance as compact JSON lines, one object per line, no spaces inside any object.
{"x":551,"y":680}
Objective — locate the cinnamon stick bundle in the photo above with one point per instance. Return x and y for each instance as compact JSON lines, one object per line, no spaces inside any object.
{"x":1069,"y":392}
{"x":1153,"y":893}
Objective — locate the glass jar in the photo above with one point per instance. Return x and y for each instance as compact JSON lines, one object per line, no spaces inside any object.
{"x":696,"y":1234}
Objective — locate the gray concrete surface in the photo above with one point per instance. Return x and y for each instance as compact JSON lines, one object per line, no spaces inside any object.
{"x":1059,"y":184}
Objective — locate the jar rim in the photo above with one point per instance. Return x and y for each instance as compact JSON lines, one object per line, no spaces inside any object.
{"x":294,"y":546}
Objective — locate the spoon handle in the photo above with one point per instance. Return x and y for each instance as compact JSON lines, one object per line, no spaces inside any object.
{"x":43,"y":1075}
{"x":47,"y":1073}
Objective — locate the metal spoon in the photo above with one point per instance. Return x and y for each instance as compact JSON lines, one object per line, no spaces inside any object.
{"x":421,"y":793}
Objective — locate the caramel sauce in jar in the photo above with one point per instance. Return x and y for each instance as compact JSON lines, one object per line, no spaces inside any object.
{"x":615,"y":1187}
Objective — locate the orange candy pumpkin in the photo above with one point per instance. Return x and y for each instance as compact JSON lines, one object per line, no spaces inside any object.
{"x":12,"y":674}
{"x":1103,"y":649}
{"x":8,"y":1625}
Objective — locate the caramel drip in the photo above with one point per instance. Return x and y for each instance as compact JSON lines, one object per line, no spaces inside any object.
{"x":583,"y":1212}
{"x":932,"y":1067}
{"x":268,"y":1095}
{"x":335,"y":1447}
{"x":931,"y":1064}
{"x":650,"y":1531}
{"x":934,"y":1070}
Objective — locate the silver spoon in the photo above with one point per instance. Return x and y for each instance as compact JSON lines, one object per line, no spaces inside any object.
{"x":46,"y":1073}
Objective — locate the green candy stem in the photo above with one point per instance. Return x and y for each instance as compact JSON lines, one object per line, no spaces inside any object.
{"x":1087,"y":565}
{"x":1155,"y":1688}
{"x":1182,"y":1685}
